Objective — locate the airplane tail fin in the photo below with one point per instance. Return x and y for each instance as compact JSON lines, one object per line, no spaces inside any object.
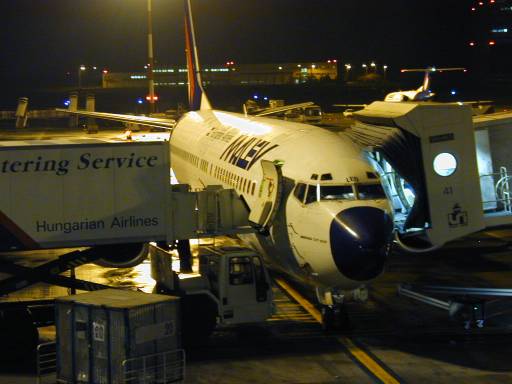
{"x":196,"y":96}
{"x":426,"y":80}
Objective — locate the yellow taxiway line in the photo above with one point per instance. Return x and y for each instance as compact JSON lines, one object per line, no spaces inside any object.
{"x":496,"y":236}
{"x":356,"y":352}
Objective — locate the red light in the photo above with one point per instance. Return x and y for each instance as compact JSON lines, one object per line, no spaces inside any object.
{"x":155,"y":98}
{"x":335,"y":61}
{"x":472,"y":43}
{"x":464,"y":70}
{"x":492,"y":42}
{"x":473,"y":9}
{"x":105,"y":71}
{"x":492,"y":1}
{"x":480,"y":3}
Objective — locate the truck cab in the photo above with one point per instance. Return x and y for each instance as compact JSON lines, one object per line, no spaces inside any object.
{"x":232,"y":286}
{"x":239,"y":282}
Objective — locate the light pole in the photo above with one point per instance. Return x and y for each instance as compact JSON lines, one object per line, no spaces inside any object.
{"x":151,"y":61}
{"x":373,"y":65}
{"x":365,"y":69}
{"x":385,"y":69}
{"x":348,"y":67}
{"x":81,"y":68}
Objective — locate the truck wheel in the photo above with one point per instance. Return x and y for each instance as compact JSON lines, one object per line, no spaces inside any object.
{"x":18,"y":333}
{"x":199,"y":318}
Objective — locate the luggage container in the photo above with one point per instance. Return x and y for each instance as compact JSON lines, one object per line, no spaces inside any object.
{"x":98,"y":332}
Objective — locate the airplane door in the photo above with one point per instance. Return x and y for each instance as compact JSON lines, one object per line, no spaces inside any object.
{"x":269,"y":195}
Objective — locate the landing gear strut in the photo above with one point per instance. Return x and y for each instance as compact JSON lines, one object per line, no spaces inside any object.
{"x":335,"y":318}
{"x":334,"y":312}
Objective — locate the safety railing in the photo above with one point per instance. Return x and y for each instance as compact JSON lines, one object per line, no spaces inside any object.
{"x":46,"y":363}
{"x":160,"y":368}
{"x":501,"y":190}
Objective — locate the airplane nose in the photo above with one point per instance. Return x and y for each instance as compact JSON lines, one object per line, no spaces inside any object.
{"x":360,"y":241}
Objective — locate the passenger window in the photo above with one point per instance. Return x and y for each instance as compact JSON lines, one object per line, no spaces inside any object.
{"x":240,"y":271}
{"x":300,"y":191}
{"x":311,"y":196}
{"x":253,"y":187}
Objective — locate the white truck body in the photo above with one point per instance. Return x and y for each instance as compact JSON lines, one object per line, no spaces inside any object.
{"x":63,"y":193}
{"x":234,"y":279}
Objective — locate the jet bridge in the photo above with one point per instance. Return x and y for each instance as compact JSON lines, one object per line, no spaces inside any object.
{"x":440,"y":184}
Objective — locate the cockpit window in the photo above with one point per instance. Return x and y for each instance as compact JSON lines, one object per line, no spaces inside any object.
{"x":311,"y":195}
{"x":329,"y":192}
{"x":336,"y":192}
{"x":370,"y":191}
{"x":319,"y":192}
{"x":299,"y":191}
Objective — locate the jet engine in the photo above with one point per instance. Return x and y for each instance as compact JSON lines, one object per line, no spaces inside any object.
{"x":121,"y":255}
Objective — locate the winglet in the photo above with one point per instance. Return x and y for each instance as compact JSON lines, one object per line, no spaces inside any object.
{"x":196,"y":96}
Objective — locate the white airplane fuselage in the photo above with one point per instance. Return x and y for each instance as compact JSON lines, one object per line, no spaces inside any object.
{"x":325,"y":241}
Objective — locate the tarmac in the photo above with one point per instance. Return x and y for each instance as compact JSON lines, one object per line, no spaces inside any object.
{"x":403,"y":340}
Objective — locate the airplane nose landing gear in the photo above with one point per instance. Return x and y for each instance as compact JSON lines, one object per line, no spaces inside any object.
{"x":334,"y":313}
{"x":335,"y":318}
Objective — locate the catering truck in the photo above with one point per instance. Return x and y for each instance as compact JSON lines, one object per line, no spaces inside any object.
{"x":111,"y":199}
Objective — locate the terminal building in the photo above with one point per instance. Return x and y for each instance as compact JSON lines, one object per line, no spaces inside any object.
{"x":230,"y":73}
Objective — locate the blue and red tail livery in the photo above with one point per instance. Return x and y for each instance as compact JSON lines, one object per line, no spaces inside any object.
{"x":196,"y":97}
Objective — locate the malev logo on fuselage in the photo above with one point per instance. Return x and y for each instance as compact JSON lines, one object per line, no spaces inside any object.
{"x":246,"y":150}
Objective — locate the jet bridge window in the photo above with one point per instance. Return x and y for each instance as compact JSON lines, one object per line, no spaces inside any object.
{"x":240,"y":271}
{"x":370,"y":191}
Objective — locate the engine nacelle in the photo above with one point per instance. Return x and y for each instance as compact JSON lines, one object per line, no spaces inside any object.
{"x":121,"y":255}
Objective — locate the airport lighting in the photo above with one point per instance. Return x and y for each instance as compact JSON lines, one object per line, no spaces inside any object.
{"x":81,"y":68}
{"x":348,"y":67}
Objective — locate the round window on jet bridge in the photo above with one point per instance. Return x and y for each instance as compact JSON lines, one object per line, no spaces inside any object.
{"x":445,"y":164}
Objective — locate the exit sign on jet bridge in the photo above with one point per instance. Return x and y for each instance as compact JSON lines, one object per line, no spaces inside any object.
{"x":82,"y":192}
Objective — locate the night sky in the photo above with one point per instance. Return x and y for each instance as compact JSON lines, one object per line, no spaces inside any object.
{"x":44,"y":39}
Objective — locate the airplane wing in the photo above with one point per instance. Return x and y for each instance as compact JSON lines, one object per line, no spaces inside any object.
{"x":477,"y":102}
{"x":143,"y":120}
{"x":350,"y":105}
{"x":271,"y":111}
{"x":493,"y":120}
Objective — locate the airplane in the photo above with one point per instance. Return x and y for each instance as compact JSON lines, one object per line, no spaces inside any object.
{"x":322,"y":215}
{"x":423,"y":93}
